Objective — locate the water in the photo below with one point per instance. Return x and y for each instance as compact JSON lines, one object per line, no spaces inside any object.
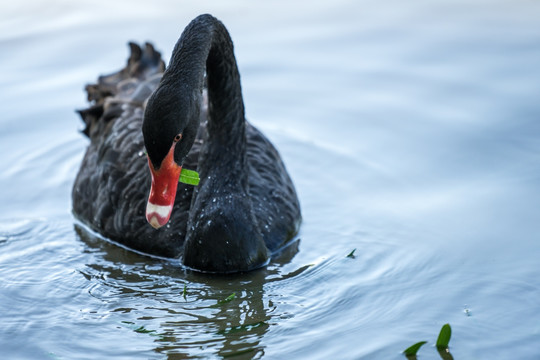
{"x":410,"y":129}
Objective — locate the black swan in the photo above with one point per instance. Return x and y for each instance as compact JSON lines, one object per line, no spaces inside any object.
{"x":146,"y":122}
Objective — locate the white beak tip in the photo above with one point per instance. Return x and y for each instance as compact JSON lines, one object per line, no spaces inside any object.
{"x":154,"y":222}
{"x":157,"y":215}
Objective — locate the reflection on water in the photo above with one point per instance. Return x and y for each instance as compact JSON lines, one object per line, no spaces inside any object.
{"x":410,"y":130}
{"x":176,"y":319}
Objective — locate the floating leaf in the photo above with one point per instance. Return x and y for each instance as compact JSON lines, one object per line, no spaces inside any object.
{"x":140,"y":329}
{"x":412,"y":350}
{"x":226,"y":300}
{"x":351,"y":254}
{"x":242,"y":328}
{"x":143,"y":330}
{"x":189,"y":177}
{"x":444,"y":336}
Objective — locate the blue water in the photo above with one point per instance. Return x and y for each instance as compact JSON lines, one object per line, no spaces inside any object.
{"x":412,"y":133}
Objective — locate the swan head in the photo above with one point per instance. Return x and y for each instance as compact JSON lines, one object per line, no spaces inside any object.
{"x":169,"y":129}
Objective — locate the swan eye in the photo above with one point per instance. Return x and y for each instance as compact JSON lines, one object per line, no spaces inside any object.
{"x":177,"y":138}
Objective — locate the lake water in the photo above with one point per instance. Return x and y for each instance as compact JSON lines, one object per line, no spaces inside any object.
{"x":411,"y":130}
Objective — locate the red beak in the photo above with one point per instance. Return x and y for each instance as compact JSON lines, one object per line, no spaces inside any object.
{"x":163,"y":191}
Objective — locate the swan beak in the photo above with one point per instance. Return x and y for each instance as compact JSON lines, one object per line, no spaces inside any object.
{"x":163,"y":191}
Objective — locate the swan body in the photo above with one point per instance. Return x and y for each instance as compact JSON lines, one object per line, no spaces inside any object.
{"x":146,"y":123}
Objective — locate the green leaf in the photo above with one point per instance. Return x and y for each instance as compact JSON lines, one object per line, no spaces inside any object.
{"x":224,"y":301}
{"x":143,"y":330}
{"x":184,"y":293}
{"x":189,"y":177}
{"x":444,"y":336}
{"x":140,"y":329}
{"x":412,"y":350}
{"x":227,"y":299}
{"x":242,"y":328}
{"x":351,"y":254}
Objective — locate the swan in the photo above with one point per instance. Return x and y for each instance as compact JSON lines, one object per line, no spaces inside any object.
{"x":147,"y":122}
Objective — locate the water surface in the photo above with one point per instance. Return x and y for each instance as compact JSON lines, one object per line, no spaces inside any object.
{"x":410,"y":129}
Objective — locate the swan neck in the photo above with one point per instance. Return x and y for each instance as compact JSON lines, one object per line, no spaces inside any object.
{"x":206,"y":48}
